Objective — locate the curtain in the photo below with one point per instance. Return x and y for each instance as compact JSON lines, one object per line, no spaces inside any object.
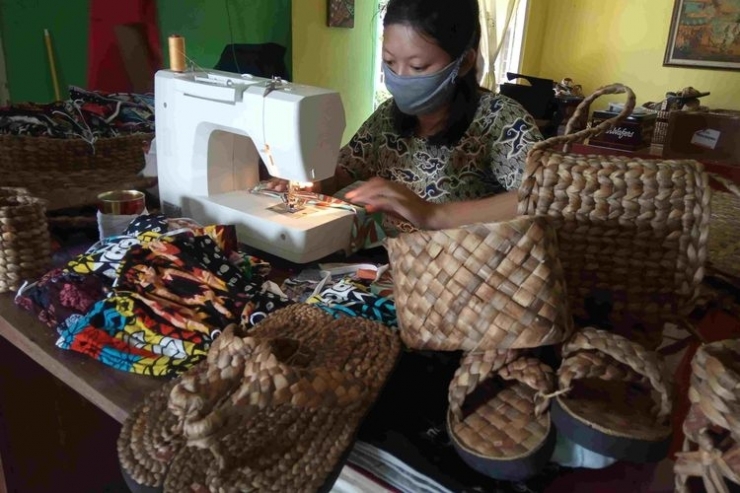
{"x":495,"y":17}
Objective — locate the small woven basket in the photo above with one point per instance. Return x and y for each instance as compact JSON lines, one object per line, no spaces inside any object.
{"x":632,"y":232}
{"x":72,"y":172}
{"x":483,"y":286}
{"x":25,"y":249}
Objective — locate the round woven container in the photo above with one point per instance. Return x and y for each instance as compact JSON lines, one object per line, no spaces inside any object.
{"x":25,"y":250}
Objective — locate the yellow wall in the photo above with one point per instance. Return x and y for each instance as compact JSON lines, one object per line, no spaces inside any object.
{"x":336,"y":58}
{"x":597,"y":42}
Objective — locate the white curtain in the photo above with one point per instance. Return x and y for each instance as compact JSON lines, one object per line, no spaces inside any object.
{"x":495,"y":16}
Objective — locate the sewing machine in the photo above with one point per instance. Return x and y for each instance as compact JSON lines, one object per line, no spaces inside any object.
{"x":213,"y":127}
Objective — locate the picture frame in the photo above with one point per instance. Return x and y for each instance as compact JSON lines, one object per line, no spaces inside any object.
{"x":704,"y":34}
{"x":341,"y":13}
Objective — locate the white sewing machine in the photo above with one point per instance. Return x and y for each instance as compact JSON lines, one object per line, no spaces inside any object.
{"x":212,"y":128}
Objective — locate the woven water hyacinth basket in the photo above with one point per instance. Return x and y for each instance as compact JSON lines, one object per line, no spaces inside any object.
{"x":711,"y":448}
{"x":483,"y":286}
{"x":25,"y":249}
{"x":71,"y":173}
{"x":275,"y":409}
{"x":632,"y":232}
{"x":724,"y":235}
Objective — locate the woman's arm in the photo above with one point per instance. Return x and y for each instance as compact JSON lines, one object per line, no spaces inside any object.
{"x":382,"y":195}
{"x":501,"y":207}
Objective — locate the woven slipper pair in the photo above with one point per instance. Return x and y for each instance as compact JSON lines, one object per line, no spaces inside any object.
{"x":273,"y":410}
{"x":494,"y":291}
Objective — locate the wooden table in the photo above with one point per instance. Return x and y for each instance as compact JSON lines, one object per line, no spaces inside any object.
{"x":49,"y":434}
{"x":115,"y":392}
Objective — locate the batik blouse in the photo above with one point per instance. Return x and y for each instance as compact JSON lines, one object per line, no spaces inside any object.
{"x":487,"y":160}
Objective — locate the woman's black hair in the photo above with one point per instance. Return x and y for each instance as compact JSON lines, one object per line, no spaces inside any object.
{"x":455,"y":27}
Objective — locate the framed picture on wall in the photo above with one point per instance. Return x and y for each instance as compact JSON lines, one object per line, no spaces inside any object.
{"x":341,"y":13}
{"x":704,"y":34}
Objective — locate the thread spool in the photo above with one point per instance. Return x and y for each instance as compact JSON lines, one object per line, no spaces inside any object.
{"x":177,"y":53}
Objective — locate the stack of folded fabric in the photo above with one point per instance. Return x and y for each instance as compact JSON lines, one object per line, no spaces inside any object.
{"x":152,"y":299}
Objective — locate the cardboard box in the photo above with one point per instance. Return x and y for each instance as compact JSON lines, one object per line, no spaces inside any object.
{"x":704,"y":136}
{"x":633,"y":133}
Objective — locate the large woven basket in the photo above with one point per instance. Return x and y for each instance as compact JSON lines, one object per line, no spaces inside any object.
{"x":72,"y":172}
{"x":25,"y":250}
{"x":483,"y":286}
{"x":632,"y":232}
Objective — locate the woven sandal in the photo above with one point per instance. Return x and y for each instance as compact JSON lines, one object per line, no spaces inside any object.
{"x":606,"y":402}
{"x":509,"y":436}
{"x":715,"y":457}
{"x":275,"y":410}
{"x":711,"y":447}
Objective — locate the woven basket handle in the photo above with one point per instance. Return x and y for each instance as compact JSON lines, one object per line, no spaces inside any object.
{"x":476,"y":367}
{"x":646,"y":365}
{"x":567,"y":139}
{"x":728,"y":184}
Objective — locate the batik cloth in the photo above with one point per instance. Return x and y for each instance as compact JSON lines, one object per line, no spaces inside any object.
{"x":487,"y":160}
{"x":87,"y":115}
{"x":352,"y":298}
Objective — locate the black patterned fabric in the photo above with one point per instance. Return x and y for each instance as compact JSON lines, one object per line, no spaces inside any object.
{"x":489,"y":159}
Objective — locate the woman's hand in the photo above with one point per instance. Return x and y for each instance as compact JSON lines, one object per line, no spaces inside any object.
{"x":378,"y":194}
{"x":277,"y":184}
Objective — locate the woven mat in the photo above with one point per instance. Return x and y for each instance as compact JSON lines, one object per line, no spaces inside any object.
{"x":68,"y":189}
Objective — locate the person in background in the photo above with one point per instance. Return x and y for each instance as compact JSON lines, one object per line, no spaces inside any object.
{"x":442,"y":152}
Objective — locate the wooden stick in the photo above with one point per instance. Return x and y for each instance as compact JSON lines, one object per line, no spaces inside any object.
{"x":52,"y":65}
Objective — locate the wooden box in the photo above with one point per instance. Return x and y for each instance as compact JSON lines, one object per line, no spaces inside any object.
{"x":634,"y":132}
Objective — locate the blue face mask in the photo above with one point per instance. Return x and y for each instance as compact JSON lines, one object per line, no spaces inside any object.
{"x":421,"y":94}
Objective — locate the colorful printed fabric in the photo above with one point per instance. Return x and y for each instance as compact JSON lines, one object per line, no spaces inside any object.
{"x":488,"y":159}
{"x":174,"y":295}
{"x":87,"y":115}
{"x":349,"y":298}
{"x":105,"y":257}
{"x":134,"y":334}
{"x":58,"y":295}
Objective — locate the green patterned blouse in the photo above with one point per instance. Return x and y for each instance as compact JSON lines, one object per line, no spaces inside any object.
{"x":488,"y":159}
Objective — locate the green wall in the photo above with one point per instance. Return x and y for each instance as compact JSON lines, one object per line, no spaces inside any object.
{"x":203,"y":23}
{"x":337,"y":58}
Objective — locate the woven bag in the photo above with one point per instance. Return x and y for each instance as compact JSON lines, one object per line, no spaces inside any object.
{"x":486,"y":286}
{"x":71,"y":173}
{"x":25,"y":249}
{"x":632,"y":232}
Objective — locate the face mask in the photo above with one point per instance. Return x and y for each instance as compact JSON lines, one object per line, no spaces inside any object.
{"x":420,"y":94}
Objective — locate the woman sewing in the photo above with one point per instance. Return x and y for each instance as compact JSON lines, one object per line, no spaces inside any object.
{"x":442,"y":152}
